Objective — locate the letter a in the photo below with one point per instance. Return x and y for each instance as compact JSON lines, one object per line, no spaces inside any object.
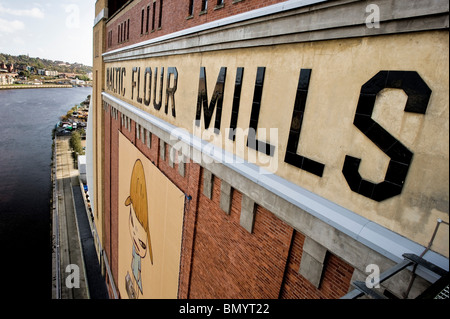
{"x":73,"y":280}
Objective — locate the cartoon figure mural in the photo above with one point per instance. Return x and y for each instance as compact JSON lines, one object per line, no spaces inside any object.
{"x":148,"y":227}
{"x":139,"y":230}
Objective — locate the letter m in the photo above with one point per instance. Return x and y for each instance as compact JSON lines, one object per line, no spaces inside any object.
{"x":217,"y":98}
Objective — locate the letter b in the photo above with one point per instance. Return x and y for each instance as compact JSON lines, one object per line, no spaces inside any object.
{"x":226,"y":308}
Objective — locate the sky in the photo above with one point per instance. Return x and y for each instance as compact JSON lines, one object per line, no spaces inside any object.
{"x":50,"y":29}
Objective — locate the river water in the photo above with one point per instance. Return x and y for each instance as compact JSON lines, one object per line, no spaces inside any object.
{"x":27,"y":117}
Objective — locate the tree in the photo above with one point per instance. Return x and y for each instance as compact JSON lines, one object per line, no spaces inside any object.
{"x":24,"y":73}
{"x":75,"y":142}
{"x":83,"y":78}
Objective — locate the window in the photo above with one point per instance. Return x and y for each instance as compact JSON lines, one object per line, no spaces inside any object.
{"x":160,"y":14}
{"x":191,"y":7}
{"x":142,"y":22}
{"x":128,"y":30}
{"x":204,"y":5}
{"x":123,"y":33}
{"x":148,"y":18}
{"x":220,"y":4}
{"x":153,"y":16}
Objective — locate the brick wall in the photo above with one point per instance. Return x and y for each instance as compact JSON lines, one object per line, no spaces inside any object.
{"x":175,"y":17}
{"x":336,"y":277}
{"x":115,"y":128}
{"x":228,"y":261}
{"x":219,"y":257}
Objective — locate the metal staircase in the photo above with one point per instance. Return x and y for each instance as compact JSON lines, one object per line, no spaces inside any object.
{"x":409,"y":260}
{"x":438,"y":290}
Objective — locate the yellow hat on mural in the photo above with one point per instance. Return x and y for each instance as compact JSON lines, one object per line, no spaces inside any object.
{"x":138,"y":198}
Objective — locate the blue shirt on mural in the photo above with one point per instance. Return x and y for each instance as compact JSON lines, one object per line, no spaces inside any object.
{"x":136,"y":267}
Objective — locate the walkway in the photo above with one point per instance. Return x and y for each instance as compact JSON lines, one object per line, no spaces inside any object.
{"x":78,"y":272}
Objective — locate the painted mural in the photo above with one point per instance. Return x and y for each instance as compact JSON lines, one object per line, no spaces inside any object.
{"x":150,"y":228}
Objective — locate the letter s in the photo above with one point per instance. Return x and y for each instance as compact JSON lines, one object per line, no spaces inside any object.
{"x":400,"y":157}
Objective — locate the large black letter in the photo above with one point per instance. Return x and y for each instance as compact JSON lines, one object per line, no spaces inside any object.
{"x":236,"y":103}
{"x":117,"y":89}
{"x":252,"y":142}
{"x":170,"y":91}
{"x":148,"y":71}
{"x":157,"y":106}
{"x":291,"y":156}
{"x":108,"y":80}
{"x":418,"y":97}
{"x":217,"y":97}
{"x":133,"y":81}
{"x":139,"y":99}
{"x":124,"y":73}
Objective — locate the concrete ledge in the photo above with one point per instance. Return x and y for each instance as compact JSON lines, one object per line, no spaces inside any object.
{"x":225,"y":197}
{"x":181,"y":164}
{"x":312,"y":263}
{"x":102,"y":15}
{"x":313,"y":248}
{"x":162,"y":150}
{"x":142,"y":133}
{"x":311,"y":269}
{"x":148,"y":138}
{"x":171,"y":157}
{"x":247,"y":219}
{"x":138,"y":132}
{"x":207,"y":183}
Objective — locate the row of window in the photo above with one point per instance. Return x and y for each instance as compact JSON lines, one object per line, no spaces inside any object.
{"x":151,"y":18}
{"x":204,"y":5}
{"x":123,"y":31}
{"x":145,"y":17}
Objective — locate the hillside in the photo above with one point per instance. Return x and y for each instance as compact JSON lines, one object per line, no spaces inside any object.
{"x":38,"y":63}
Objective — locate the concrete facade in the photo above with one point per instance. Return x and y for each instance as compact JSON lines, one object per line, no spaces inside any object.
{"x":298,"y":223}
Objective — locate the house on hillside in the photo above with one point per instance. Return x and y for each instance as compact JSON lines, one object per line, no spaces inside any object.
{"x":7,"y":78}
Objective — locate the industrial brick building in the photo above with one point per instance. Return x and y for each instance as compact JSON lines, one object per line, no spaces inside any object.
{"x":269,"y":149}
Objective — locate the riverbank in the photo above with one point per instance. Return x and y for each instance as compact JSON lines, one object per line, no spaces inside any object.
{"x":76,"y":272}
{"x":44,"y":86}
{"x":67,"y":252}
